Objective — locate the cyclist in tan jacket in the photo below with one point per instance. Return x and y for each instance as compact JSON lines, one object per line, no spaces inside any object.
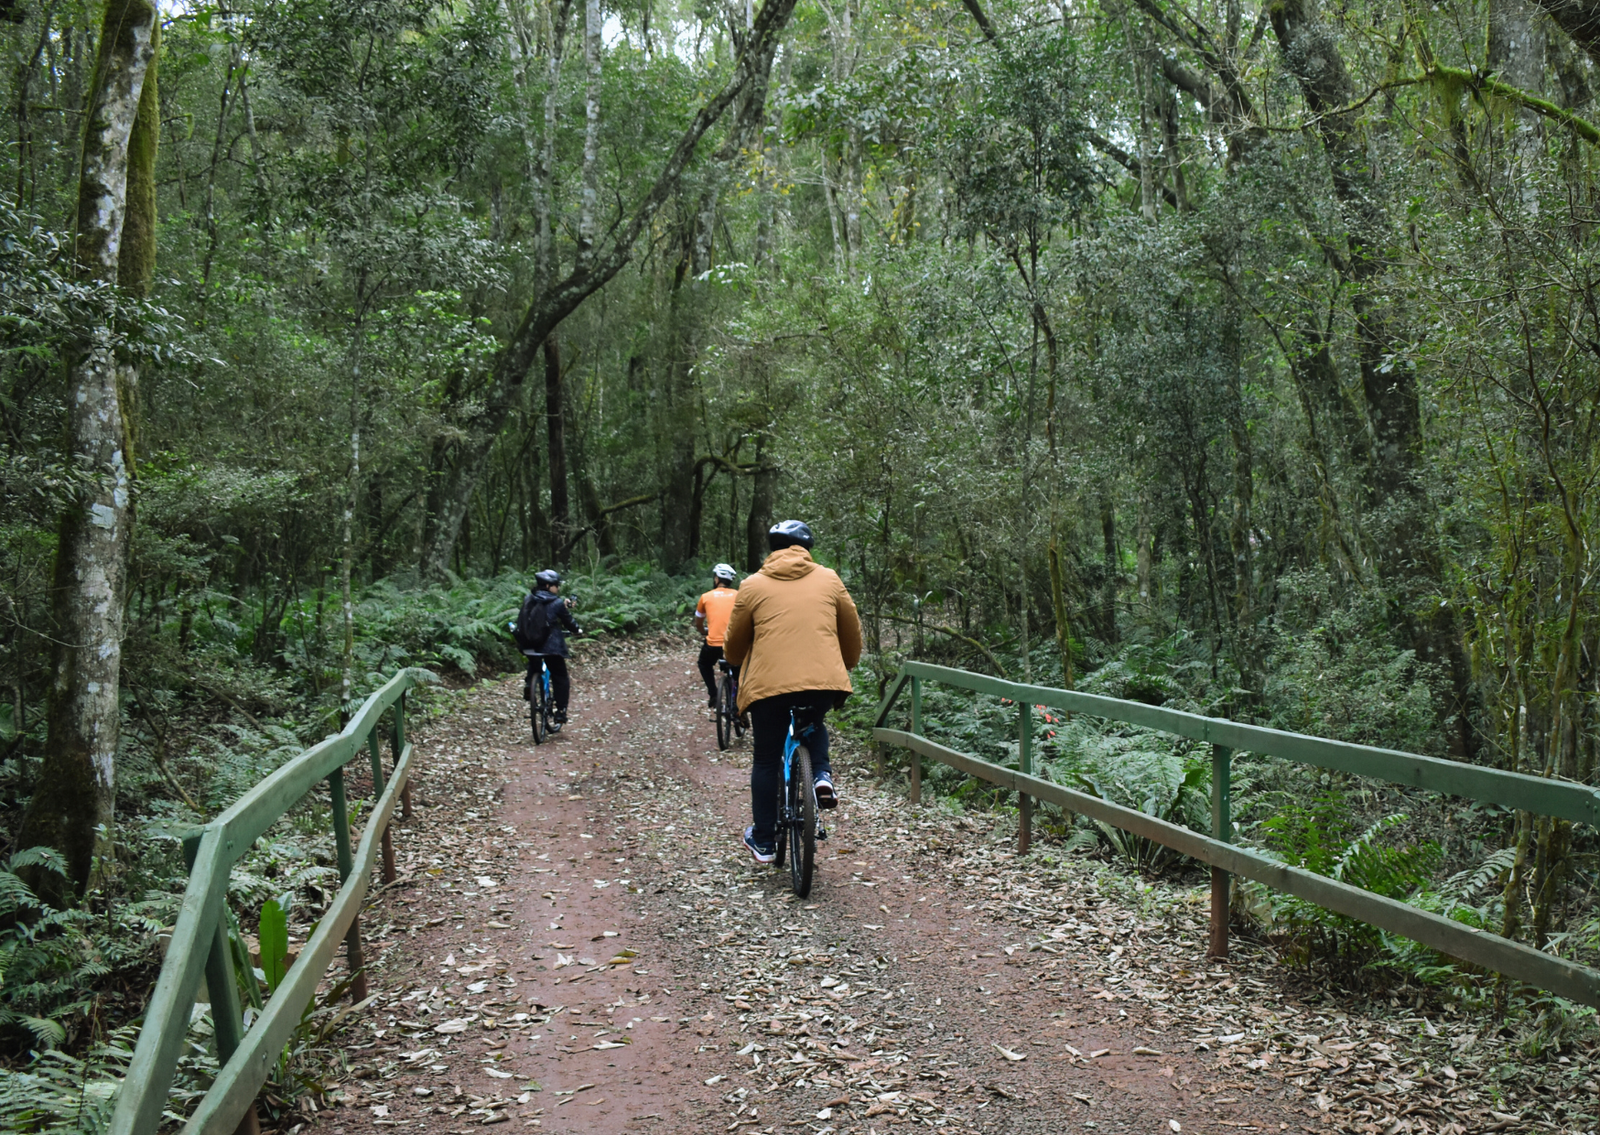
{"x":795,"y":635}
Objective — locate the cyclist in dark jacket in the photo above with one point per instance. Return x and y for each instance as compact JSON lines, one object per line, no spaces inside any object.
{"x":558,"y":618}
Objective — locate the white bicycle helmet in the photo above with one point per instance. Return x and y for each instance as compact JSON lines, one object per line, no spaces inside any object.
{"x":725,"y":573}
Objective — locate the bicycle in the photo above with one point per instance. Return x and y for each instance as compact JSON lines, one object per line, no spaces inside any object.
{"x":797,"y":811}
{"x":541,"y":706}
{"x":730,"y":724}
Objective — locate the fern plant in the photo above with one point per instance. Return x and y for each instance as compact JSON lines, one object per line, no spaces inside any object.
{"x":1319,"y":837}
{"x":60,"y":1094}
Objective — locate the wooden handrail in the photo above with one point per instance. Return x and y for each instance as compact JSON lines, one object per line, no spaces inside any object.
{"x":199,"y":942}
{"x":1455,"y":939}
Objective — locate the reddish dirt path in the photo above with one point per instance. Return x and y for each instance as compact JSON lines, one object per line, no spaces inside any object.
{"x":588,"y":949}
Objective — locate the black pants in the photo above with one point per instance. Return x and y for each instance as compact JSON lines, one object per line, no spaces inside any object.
{"x":709,"y":657}
{"x":769,"y":724}
{"x":560,"y":683}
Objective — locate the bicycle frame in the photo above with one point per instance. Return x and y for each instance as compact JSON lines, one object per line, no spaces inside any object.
{"x":790,"y":743}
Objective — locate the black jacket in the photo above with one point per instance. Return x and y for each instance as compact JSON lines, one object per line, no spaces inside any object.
{"x":560,"y":622}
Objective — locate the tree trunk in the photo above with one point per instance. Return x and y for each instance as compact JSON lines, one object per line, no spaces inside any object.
{"x":678,"y":424}
{"x":760,"y":518}
{"x":556,"y":444}
{"x":1108,"y":593}
{"x":75,"y":795}
{"x":559,"y":299}
{"x":1058,"y":600}
{"x":589,"y":205}
{"x":1393,"y":412}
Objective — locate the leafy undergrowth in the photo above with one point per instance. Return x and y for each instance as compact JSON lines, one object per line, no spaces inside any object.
{"x":1446,"y":856}
{"x":207,"y":715}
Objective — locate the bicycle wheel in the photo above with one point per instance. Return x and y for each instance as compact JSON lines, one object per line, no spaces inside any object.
{"x":536,"y":707}
{"x":724,"y":717}
{"x":551,"y":725}
{"x":803,"y":824}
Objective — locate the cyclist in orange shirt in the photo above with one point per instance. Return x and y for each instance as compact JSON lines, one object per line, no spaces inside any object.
{"x":711,"y":620}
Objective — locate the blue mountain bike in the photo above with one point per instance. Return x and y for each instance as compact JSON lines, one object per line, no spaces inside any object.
{"x":797,"y":809}
{"x":541,"y":706}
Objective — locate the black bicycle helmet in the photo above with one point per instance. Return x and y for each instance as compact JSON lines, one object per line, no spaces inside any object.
{"x":787,"y":533}
{"x":548,"y":578}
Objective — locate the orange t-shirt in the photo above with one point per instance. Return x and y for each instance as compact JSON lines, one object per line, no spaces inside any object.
{"x":715,"y":607}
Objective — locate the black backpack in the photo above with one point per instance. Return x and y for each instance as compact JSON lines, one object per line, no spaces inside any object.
{"x":533,"y":624}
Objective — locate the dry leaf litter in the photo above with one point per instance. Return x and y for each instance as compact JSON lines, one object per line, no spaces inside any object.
{"x":578,"y":943}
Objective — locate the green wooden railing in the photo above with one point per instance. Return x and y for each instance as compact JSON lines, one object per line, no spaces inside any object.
{"x":1534,"y":794}
{"x":200,"y":938}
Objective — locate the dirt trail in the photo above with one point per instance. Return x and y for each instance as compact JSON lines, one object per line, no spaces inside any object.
{"x":580,"y":944}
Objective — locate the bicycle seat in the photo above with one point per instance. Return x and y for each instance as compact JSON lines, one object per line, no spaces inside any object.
{"x":533,"y":653}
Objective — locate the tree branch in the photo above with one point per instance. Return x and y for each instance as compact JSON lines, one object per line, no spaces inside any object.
{"x":1127,"y":161}
{"x":972,"y":642}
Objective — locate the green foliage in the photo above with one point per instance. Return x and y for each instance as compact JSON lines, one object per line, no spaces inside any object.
{"x":1153,"y":773}
{"x":273,"y":932}
{"x":1335,"y":672}
{"x":61,"y":1094}
{"x":1321,"y":836}
{"x":52,"y":960}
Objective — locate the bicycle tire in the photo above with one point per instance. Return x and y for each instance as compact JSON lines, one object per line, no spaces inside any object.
{"x":536,"y":707}
{"x":724,"y":720}
{"x":803,"y":824}
{"x":551,"y":725}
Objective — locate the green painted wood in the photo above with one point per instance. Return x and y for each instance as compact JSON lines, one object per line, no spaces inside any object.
{"x":227,"y":1018}
{"x":1222,"y":793}
{"x":1025,"y":763}
{"x":198,"y":934}
{"x":1221,"y":829}
{"x":341,"y":823}
{"x":241,"y":1078}
{"x":1025,"y":737}
{"x":916,"y":727}
{"x":260,"y":808}
{"x":376,"y":758}
{"x":143,"y":1096}
{"x":1454,"y":939}
{"x":890,"y":697}
{"x":1492,"y":786}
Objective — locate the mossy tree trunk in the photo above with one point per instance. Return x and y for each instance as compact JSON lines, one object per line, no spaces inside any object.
{"x":114,"y":241}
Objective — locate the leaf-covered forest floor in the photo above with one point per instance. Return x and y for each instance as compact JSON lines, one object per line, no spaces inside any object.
{"x":579,"y":943}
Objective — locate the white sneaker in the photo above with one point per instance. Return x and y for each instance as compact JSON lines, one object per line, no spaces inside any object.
{"x":825,"y":794}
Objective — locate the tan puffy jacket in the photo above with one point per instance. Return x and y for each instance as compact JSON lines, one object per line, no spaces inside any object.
{"x":794,"y":627}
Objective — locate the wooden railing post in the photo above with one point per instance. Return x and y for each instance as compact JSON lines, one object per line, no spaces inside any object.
{"x":1221,"y":829}
{"x":377,"y":791}
{"x":916,"y":727}
{"x":222,"y":988}
{"x":341,"y":838}
{"x":1025,"y":764}
{"x":400,"y":747}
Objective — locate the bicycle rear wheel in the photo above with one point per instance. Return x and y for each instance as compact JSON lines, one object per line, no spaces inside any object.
{"x":536,"y":707}
{"x":803,"y":823}
{"x":724,"y":713}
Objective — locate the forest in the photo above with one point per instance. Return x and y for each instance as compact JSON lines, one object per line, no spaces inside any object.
{"x":1241,"y":356}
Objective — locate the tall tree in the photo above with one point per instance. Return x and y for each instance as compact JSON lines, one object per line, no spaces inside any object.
{"x":746,"y":87}
{"x":75,"y":795}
